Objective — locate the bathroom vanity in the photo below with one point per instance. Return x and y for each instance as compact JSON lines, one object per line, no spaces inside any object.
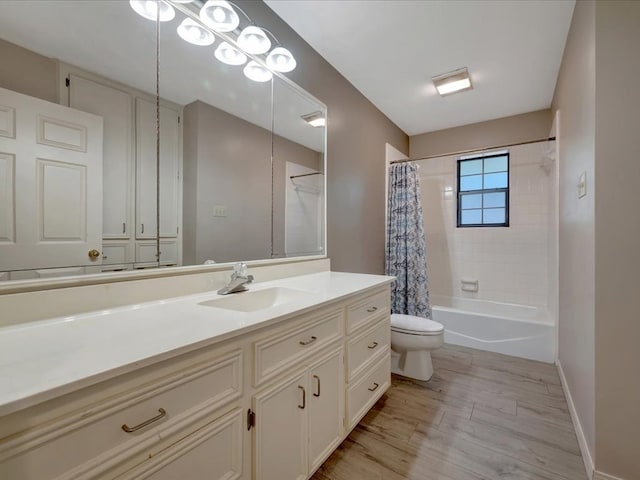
{"x":263,"y":384}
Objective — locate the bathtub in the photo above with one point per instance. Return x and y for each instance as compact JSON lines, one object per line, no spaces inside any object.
{"x":518,"y":330}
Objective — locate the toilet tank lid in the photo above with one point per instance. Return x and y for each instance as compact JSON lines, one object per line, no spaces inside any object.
{"x":411,"y":323}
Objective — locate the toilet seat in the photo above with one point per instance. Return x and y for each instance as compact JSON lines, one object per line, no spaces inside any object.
{"x":412,"y":325}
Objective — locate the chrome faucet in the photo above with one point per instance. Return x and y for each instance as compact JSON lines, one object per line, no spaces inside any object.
{"x":239,"y":280}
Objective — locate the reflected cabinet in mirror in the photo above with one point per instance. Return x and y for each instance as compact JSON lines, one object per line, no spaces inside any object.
{"x":99,"y":174}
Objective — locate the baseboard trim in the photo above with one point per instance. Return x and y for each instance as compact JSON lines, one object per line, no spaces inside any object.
{"x":604,"y":476}
{"x":582,"y":440}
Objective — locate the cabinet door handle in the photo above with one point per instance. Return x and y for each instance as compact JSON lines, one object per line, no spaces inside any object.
{"x":374,"y":388}
{"x":142,"y":228}
{"x":373,"y":345}
{"x":162,"y":413}
{"x":308,"y":342}
{"x":317,"y":394}
{"x":304,"y":398}
{"x":124,"y":227}
{"x":372,"y":309}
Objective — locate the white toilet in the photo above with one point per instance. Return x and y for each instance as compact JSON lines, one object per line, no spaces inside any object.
{"x":412,"y":339}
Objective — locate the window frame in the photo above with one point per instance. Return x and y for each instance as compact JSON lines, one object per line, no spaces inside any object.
{"x":460,"y":194}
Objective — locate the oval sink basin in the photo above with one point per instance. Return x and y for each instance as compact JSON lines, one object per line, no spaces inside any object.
{"x":254,"y":300}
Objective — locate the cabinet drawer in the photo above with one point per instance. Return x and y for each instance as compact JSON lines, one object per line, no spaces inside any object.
{"x":367,"y":346}
{"x":213,"y":452}
{"x":96,"y":436}
{"x":115,"y":254}
{"x":284,"y":350}
{"x":365,"y":310}
{"x":146,"y":252}
{"x":366,"y":391}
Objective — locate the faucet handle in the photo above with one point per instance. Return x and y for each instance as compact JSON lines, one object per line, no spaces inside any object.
{"x":240,"y":269}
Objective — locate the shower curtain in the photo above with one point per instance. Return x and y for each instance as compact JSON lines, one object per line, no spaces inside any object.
{"x":406,"y":250}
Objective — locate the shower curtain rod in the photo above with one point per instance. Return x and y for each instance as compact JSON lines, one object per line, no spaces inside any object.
{"x":461,"y":152}
{"x":305,"y":175}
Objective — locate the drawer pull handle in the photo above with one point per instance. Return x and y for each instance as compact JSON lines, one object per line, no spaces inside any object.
{"x":317,"y":394}
{"x":161,"y":413}
{"x":372,"y":309}
{"x":308,"y":342}
{"x":374,"y":388}
{"x":304,"y":398}
{"x":373,"y":345}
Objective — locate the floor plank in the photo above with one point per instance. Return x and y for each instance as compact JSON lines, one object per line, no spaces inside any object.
{"x":483,"y":416}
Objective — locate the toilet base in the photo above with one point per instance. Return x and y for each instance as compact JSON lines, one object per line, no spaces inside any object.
{"x":414,"y":364}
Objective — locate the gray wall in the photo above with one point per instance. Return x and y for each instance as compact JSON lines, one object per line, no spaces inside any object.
{"x":357,"y":133}
{"x":598,"y":104}
{"x":222,"y":168}
{"x":227,"y":161}
{"x":617,"y":245}
{"x":482,"y":135}
{"x":575,"y":100}
{"x":27,"y":72}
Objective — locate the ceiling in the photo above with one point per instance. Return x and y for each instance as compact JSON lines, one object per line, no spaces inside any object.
{"x":389,"y":50}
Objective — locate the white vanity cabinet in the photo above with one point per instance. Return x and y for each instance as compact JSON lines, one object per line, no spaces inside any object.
{"x":299,"y":421}
{"x":270,"y":404}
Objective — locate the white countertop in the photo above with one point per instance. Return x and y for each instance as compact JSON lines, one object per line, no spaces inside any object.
{"x":45,"y":359}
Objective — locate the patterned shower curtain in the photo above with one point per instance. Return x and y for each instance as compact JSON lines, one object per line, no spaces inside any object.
{"x":406,"y":249}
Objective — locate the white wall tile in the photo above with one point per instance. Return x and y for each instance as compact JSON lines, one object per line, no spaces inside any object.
{"x":511,"y":263}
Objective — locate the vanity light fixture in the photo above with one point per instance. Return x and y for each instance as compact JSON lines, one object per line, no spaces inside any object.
{"x":256,"y":72}
{"x":254,"y":40}
{"x":452,"y":82}
{"x":149,"y":9}
{"x":230,"y":55}
{"x":315,"y":119}
{"x":281,"y":60}
{"x":219,"y":15}
{"x":192,"y":32}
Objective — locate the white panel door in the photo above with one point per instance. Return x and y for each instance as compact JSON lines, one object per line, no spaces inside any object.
{"x":51,"y":177}
{"x":280,"y":447}
{"x":146,"y":170}
{"x":116,"y":109}
{"x":326,"y":408}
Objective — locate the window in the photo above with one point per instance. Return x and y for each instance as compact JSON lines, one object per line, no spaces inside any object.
{"x":483,"y":190}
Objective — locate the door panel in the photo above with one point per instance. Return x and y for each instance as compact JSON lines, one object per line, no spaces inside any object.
{"x":326,"y":408}
{"x":146,"y":170}
{"x":116,"y":109}
{"x":54,"y":164}
{"x":280,"y":433}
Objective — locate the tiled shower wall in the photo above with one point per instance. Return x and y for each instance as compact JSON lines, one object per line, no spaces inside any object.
{"x":511,"y":263}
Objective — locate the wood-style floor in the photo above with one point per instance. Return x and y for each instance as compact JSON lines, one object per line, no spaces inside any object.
{"x":481,"y":416}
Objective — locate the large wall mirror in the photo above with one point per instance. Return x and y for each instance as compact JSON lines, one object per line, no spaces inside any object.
{"x":241,"y":163}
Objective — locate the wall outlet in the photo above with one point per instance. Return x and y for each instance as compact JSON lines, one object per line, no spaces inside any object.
{"x":219,"y":211}
{"x":582,"y":185}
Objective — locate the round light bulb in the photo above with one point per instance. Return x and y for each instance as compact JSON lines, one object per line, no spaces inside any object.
{"x":149,"y":9}
{"x":192,"y":32}
{"x":230,"y":55}
{"x":219,"y":15}
{"x":281,"y":60}
{"x":256,"y":72}
{"x":253,"y":40}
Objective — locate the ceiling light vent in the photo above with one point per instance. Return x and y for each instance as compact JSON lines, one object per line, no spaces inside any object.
{"x":315,"y":119}
{"x":452,"y":82}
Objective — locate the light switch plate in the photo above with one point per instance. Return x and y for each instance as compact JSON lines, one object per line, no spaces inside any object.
{"x":219,"y":211}
{"x":582,"y":185}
